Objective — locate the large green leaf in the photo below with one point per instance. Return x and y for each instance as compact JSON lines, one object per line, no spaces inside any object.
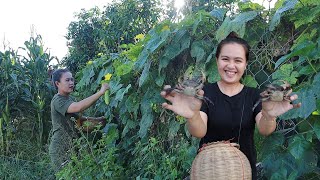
{"x":121,"y":92}
{"x":287,"y":5}
{"x":308,"y":105}
{"x":156,"y":41}
{"x":145,"y":123}
{"x":237,"y":24}
{"x":316,"y":128}
{"x":88,"y":73}
{"x":212,"y":72}
{"x":308,"y":162}
{"x":145,"y":73}
{"x":302,"y":49}
{"x":174,"y":49}
{"x":129,"y":125}
{"x":286,"y":73}
{"x":298,"y":146}
{"x":197,"y":51}
{"x":306,"y":16}
{"x":316,"y":85}
{"x":273,"y":144}
{"x":218,"y":13}
{"x":280,"y":174}
{"x":174,"y":127}
{"x":248,"y":80}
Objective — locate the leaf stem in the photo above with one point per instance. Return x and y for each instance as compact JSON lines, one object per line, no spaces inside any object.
{"x":311,"y":65}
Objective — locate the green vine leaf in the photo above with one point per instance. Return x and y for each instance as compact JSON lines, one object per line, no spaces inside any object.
{"x":154,"y":43}
{"x":316,"y":129}
{"x":178,"y":44}
{"x":145,"y":123}
{"x":121,"y":92}
{"x":174,"y":127}
{"x":308,"y":105}
{"x":286,"y":73}
{"x":316,"y":85}
{"x":160,"y":79}
{"x":302,"y":49}
{"x":249,"y":81}
{"x":298,"y":146}
{"x":218,"y":13}
{"x":281,"y":174}
{"x":273,"y":144}
{"x":306,"y":16}
{"x":87,"y":74}
{"x":129,"y":125}
{"x":145,"y":74}
{"x":287,"y":5}
{"x":237,"y":24}
{"x":197,"y":51}
{"x":213,"y":74}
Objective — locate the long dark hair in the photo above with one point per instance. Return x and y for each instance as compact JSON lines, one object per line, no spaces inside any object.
{"x":234,"y":38}
{"x":56,"y":76}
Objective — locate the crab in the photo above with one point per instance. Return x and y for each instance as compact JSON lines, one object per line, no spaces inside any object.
{"x":277,"y":92}
{"x":189,"y":85}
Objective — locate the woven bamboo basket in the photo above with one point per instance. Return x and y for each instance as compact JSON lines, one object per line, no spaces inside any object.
{"x":221,"y":160}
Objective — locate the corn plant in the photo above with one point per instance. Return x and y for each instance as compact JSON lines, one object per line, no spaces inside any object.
{"x":10,"y":74}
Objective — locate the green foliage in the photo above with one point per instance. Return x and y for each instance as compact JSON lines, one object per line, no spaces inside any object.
{"x":97,"y":31}
{"x":102,"y":159}
{"x":24,"y":124}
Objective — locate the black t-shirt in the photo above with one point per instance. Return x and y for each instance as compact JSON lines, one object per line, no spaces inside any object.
{"x":225,"y":115}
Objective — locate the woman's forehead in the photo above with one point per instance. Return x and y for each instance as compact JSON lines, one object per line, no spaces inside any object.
{"x":233,"y":49}
{"x":66,"y":75}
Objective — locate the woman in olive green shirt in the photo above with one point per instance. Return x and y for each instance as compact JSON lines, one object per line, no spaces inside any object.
{"x":63,"y":107}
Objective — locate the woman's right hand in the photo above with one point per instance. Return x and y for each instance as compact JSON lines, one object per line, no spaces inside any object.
{"x":181,"y":104}
{"x":104,"y":88}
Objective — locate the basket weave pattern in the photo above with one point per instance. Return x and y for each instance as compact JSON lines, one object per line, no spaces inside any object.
{"x":221,"y":160}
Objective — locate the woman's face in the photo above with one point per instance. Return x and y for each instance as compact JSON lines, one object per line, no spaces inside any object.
{"x":231,"y":63}
{"x":66,"y":84}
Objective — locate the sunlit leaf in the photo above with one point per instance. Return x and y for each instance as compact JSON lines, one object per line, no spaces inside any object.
{"x":248,"y":80}
{"x":287,"y":5}
{"x":286,"y":73}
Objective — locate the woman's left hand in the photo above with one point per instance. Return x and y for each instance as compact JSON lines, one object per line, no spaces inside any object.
{"x":274,"y":108}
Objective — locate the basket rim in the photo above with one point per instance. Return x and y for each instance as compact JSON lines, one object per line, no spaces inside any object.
{"x":217,"y":143}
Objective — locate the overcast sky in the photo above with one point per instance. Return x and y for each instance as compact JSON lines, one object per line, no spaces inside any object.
{"x":50,"y":19}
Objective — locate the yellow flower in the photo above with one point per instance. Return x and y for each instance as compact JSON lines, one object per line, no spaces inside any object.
{"x":139,"y":36}
{"x":89,"y":62}
{"x":166,"y":27}
{"x":100,"y":54}
{"x":107,"y":76}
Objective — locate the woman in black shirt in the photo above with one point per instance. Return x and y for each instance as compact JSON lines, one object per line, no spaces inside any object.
{"x":232,"y":115}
